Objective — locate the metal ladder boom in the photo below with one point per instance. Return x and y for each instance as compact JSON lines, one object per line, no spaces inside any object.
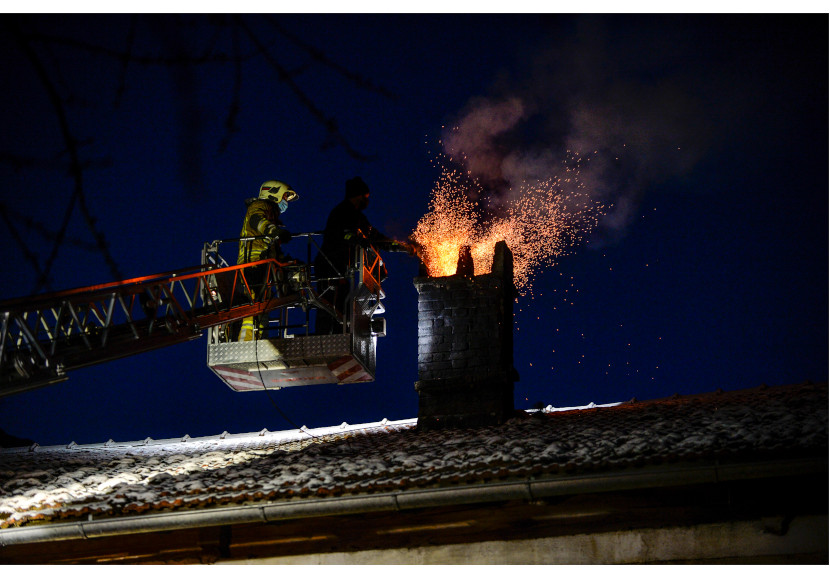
{"x":45,"y":336}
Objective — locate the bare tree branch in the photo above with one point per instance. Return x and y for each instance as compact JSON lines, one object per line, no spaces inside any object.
{"x":30,"y":256}
{"x":125,"y":62}
{"x":42,"y":229}
{"x":75,"y":169}
{"x":235,"y":105}
{"x":333,"y":132}
{"x":319,"y":56}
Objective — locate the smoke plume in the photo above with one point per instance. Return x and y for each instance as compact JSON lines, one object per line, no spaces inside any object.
{"x":626,"y":118}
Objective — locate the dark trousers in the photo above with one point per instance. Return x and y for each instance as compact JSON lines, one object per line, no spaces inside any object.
{"x":327,"y":324}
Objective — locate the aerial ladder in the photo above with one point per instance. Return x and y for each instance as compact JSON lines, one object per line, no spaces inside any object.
{"x":44,"y":337}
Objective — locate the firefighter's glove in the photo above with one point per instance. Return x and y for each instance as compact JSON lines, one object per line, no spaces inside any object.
{"x":270,"y":233}
{"x":284,"y":236}
{"x":354,"y":238}
{"x":273,"y":233}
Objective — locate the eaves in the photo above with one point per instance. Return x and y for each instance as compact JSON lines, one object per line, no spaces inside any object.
{"x":527,"y":489}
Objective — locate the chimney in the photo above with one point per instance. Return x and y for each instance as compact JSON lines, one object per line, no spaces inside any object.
{"x":465,"y":345}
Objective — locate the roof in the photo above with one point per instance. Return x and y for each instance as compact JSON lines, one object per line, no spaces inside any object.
{"x":117,"y":480}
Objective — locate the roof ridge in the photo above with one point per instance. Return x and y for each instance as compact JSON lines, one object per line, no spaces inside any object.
{"x":285,"y":436}
{"x":289,"y":435}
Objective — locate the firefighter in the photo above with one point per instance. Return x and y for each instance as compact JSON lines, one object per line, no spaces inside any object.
{"x":346,"y":227}
{"x":263,"y":219}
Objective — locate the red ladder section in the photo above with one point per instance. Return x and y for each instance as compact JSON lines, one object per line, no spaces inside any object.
{"x":45,"y":336}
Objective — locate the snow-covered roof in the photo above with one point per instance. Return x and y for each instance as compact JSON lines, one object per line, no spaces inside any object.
{"x":78,"y":482}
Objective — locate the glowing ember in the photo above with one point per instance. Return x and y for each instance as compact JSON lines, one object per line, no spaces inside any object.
{"x":539,"y":222}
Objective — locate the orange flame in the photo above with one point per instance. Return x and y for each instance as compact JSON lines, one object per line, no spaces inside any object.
{"x":540,"y":223}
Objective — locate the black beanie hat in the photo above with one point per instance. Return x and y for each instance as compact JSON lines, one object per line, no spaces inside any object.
{"x":355,"y":186}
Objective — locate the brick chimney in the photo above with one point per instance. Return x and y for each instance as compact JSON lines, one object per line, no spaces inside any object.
{"x":465,"y":345}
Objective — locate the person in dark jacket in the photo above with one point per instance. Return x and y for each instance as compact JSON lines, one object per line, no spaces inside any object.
{"x":347,"y":227}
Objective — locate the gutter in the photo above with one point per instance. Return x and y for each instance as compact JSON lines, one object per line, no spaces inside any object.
{"x":529,"y":489}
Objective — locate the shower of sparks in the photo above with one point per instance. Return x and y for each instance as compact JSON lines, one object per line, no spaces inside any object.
{"x":540,"y":222}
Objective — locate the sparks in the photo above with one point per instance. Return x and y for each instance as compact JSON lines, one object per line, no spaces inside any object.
{"x":540,"y":222}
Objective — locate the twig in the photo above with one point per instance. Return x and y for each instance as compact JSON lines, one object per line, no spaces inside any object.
{"x":334,"y":134}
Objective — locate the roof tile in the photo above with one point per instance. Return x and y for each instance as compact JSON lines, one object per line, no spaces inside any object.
{"x":116,"y":479}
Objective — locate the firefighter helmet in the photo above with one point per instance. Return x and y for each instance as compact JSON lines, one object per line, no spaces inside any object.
{"x":277,"y":191}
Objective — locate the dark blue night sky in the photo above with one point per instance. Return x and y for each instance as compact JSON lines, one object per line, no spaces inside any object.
{"x":711,"y":270}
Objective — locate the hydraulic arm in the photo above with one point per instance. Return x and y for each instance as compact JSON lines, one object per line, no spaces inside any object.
{"x":44,"y":337}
